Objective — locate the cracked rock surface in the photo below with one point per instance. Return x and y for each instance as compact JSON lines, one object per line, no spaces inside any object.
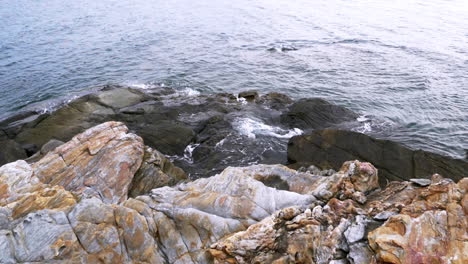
{"x":73,"y":206}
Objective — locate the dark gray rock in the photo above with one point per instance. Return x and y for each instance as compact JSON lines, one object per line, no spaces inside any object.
{"x":51,"y":145}
{"x":330,"y":148}
{"x":169,"y":137}
{"x":168,"y":121}
{"x":11,"y":151}
{"x":155,"y":171}
{"x":275,"y":100}
{"x":316,"y":113}
{"x":249,"y":95}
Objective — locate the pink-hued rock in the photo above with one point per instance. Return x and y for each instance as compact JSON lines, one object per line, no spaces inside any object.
{"x":433,"y":228}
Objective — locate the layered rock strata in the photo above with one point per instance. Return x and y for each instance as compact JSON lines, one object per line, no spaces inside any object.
{"x":72,"y":206}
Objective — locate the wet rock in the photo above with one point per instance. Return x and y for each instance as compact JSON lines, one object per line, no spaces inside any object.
{"x":316,"y":113}
{"x":330,"y":148}
{"x":46,"y":148}
{"x":120,"y":98}
{"x":155,"y":171}
{"x":170,"y":121}
{"x":11,"y":151}
{"x":30,"y":149}
{"x":288,"y":48}
{"x":169,"y":137}
{"x":277,"y":101}
{"x":249,"y":95}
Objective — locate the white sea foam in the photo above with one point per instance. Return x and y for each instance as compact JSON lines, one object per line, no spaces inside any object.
{"x":362,"y":118}
{"x":188,"y":152}
{"x":252,"y":127}
{"x":189,"y":92}
{"x":143,"y":86}
{"x":242,"y":100}
{"x":365,"y":126}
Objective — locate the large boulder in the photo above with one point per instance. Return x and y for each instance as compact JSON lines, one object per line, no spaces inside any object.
{"x":329,"y":148}
{"x":316,"y":113}
{"x":86,"y":161}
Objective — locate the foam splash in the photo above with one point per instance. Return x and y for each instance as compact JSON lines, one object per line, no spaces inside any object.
{"x":188,"y":152}
{"x":252,"y":127}
{"x":143,"y":86}
{"x":362,"y":118}
{"x":241,"y":100}
{"x":189,"y":92}
{"x":365,"y":126}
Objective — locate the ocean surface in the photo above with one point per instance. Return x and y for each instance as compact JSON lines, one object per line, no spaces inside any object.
{"x":403,"y":65}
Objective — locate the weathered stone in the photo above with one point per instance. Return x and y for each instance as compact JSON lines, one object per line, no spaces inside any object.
{"x":302,"y":239}
{"x":103,"y":158}
{"x":15,"y":178}
{"x":257,"y":214}
{"x":433,"y":228}
{"x":421,"y":182}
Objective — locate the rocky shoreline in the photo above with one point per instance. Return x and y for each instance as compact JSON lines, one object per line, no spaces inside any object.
{"x":203,"y":134}
{"x":190,"y":179}
{"x":73,"y":205}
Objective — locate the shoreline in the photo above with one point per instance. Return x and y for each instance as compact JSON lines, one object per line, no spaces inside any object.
{"x":104,"y":196}
{"x":205,"y":133}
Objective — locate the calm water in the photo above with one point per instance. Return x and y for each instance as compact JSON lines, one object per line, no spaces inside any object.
{"x":403,"y":64}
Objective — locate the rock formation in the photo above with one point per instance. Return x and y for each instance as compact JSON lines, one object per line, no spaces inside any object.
{"x":329,"y":148}
{"x":72,"y":206}
{"x":171,"y":121}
